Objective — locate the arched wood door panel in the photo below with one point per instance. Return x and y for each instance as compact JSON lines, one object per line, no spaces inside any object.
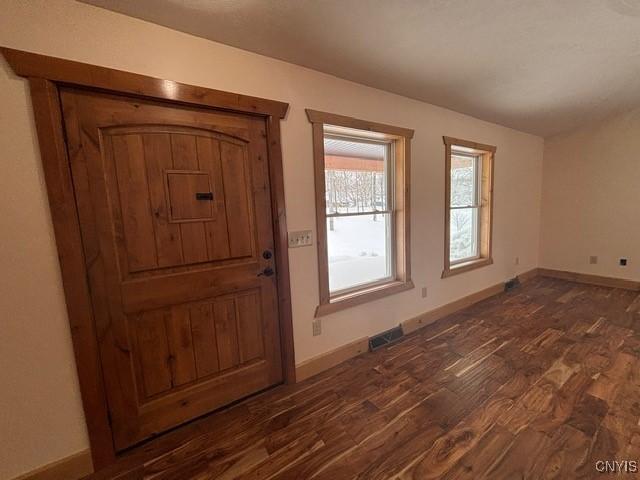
{"x":160,"y":171}
{"x":175,"y":214}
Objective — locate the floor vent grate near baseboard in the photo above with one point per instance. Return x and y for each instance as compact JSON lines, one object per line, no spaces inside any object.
{"x":385,"y":338}
{"x":511,"y":284}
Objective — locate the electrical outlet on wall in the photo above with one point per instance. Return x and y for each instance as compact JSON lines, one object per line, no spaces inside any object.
{"x":593,"y":259}
{"x":623,"y":262}
{"x":517,"y":261}
{"x":424,"y":292}
{"x":317,"y":327}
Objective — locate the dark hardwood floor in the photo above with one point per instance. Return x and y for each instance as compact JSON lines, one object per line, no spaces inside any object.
{"x":540,"y":382}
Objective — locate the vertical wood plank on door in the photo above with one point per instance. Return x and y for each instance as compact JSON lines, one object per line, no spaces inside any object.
{"x":185,"y":157}
{"x":153,"y":352}
{"x":157,"y":153}
{"x":137,"y":412}
{"x":128,"y":152}
{"x":224,"y":312}
{"x":203,"y":332}
{"x":249,"y":327}
{"x":237,"y":204}
{"x":182,"y":361}
{"x":216,"y":230}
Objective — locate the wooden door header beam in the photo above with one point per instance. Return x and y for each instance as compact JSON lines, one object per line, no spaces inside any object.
{"x":33,"y":65}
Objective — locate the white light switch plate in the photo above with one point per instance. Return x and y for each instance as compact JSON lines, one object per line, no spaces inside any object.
{"x":301,"y":238}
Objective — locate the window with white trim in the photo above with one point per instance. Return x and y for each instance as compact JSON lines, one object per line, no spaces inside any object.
{"x":358,"y":175}
{"x":469,"y":202}
{"x":466,"y":191}
{"x":362,"y":209}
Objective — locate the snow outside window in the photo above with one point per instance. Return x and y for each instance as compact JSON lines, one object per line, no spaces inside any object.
{"x":359,"y":207}
{"x":465,"y":207}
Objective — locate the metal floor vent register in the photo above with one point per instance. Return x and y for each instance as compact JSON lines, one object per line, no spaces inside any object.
{"x":511,"y":284}
{"x":385,"y":338}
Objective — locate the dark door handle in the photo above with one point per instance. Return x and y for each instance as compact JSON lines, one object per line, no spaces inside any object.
{"x":204,"y":196}
{"x":267,"y":272}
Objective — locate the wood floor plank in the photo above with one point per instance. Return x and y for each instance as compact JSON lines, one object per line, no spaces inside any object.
{"x":538,"y":382}
{"x":448,"y":449}
{"x":520,"y":460}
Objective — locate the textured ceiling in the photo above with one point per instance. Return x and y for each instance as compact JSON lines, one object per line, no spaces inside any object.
{"x":541,"y":66}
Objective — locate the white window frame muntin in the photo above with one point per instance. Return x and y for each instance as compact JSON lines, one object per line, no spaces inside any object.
{"x":402,"y":217}
{"x":389,"y":170}
{"x":476,"y":206}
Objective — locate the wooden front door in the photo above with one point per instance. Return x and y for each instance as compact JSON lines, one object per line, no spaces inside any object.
{"x":175,"y":214}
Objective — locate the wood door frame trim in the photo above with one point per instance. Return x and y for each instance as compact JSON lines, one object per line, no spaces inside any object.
{"x":46,"y":75}
{"x":58,"y":70}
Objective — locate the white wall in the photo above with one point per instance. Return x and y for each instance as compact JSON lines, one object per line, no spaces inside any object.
{"x":591,"y":199}
{"x":40,"y":412}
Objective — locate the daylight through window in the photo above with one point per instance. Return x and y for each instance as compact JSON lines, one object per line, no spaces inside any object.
{"x":359,"y":211}
{"x":466,"y":191}
{"x":362,"y":209}
{"x":469,"y":179}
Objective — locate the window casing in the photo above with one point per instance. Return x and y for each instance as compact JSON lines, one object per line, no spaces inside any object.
{"x":362,"y":209}
{"x":469,"y":204}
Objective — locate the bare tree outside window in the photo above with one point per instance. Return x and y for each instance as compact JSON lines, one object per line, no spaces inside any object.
{"x":357,"y":210}
{"x":464,"y":207}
